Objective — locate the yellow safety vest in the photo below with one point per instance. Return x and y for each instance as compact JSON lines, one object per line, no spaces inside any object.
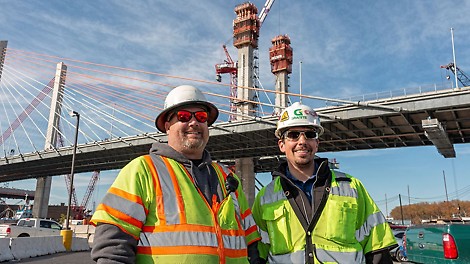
{"x":349,"y":226}
{"x":154,"y":199}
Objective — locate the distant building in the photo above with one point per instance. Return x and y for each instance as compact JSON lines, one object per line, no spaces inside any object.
{"x":54,"y":212}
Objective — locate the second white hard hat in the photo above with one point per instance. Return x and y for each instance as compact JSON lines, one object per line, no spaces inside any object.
{"x":298,"y":115}
{"x":185,"y":95}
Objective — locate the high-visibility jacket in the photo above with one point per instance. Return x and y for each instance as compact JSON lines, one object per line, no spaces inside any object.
{"x":346,"y":226}
{"x":155,"y":200}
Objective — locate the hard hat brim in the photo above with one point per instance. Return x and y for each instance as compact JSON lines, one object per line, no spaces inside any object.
{"x":162,"y":117}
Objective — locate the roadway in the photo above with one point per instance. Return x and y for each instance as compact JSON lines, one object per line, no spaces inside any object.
{"x":80,"y":257}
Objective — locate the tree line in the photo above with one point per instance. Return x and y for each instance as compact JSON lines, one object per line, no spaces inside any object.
{"x":432,"y":211}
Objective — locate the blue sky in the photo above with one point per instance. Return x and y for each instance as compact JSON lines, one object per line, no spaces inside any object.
{"x":347,"y":48}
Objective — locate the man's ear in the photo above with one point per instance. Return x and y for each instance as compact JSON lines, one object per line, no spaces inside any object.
{"x":281,"y":145}
{"x":167,"y":126}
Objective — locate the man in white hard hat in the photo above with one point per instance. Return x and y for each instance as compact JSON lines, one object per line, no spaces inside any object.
{"x":311,"y":214}
{"x":176,"y":205}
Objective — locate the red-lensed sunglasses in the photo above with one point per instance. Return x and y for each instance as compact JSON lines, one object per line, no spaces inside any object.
{"x":186,"y":116}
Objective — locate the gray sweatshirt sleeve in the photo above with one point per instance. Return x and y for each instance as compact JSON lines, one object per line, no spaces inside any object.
{"x":111,"y":245}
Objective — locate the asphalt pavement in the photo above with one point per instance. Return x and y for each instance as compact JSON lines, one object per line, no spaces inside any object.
{"x":80,"y":257}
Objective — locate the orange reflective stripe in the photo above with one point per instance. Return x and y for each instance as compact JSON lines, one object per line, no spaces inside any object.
{"x":120,"y":215}
{"x":232,"y":232}
{"x":236,"y":253}
{"x":250,"y":230}
{"x":246,"y":213}
{"x":178,"y":250}
{"x":114,"y":224}
{"x":128,"y":196}
{"x":158,"y":190}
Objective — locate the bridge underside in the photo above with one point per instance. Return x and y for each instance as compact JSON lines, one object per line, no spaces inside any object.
{"x":351,"y":127}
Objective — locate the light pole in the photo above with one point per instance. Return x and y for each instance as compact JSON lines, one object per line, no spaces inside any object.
{"x":73,"y":114}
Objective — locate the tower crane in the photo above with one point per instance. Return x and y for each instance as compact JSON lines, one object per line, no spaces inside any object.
{"x":231,"y":67}
{"x":461,"y":76}
{"x":264,"y":12}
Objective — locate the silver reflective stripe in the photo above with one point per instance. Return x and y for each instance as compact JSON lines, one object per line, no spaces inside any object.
{"x":234,"y":242}
{"x":264,"y":236}
{"x":183,"y":238}
{"x":340,"y":257}
{"x":248,"y":222}
{"x":236,"y":206}
{"x":169,"y":194}
{"x":344,"y":187}
{"x":372,"y":221}
{"x":294,"y":257}
{"x":271,"y":197}
{"x":125,"y":206}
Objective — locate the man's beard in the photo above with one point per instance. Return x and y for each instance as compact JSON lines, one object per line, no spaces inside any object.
{"x":193,"y":144}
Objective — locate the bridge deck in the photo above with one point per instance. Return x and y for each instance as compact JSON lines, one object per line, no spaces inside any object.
{"x":352,"y":127}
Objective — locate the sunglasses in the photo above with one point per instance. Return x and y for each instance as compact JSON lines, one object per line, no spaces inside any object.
{"x":186,"y":116}
{"x":295,"y":135}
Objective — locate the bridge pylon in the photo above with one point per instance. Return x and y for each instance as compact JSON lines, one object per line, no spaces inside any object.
{"x":43,"y":184}
{"x":3,"y":50}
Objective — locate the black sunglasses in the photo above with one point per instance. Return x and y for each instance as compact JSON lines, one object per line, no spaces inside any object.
{"x":295,"y":135}
{"x":186,"y":116}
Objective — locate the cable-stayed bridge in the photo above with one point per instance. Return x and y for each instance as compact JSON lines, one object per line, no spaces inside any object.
{"x":117,"y":108}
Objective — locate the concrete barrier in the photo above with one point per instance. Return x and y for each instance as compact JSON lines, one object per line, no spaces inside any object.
{"x":80,"y":244}
{"x":5,"y":252}
{"x":21,"y":248}
{"x":57,"y":244}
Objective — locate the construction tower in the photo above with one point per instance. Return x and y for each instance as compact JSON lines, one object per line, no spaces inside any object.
{"x":280,"y":57}
{"x":245,"y":38}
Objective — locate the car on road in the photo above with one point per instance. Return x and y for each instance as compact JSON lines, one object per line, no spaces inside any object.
{"x":399,"y":253}
{"x":31,"y":227}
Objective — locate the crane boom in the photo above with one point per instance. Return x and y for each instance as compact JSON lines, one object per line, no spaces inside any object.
{"x":264,"y":12}
{"x":461,"y":76}
{"x":230,"y":67}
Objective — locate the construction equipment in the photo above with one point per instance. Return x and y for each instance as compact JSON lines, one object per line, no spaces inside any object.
{"x":461,"y":76}
{"x":230,"y":67}
{"x":246,"y":31}
{"x":79,"y":212}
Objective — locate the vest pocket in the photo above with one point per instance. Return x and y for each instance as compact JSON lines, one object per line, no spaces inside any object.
{"x":278,"y":226}
{"x":342,"y":216}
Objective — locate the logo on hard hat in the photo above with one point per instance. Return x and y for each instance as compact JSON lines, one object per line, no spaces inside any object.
{"x":299,"y":114}
{"x":284,"y":117}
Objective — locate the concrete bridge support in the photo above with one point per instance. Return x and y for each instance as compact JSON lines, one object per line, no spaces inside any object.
{"x":43,"y":184}
{"x":3,"y":48}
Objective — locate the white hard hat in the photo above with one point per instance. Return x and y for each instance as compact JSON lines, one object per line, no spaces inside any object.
{"x":185,"y":95}
{"x":298,"y":115}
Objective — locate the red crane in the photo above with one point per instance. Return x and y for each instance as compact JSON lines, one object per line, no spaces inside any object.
{"x":230,"y":67}
{"x":79,"y":211}
{"x":461,"y":76}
